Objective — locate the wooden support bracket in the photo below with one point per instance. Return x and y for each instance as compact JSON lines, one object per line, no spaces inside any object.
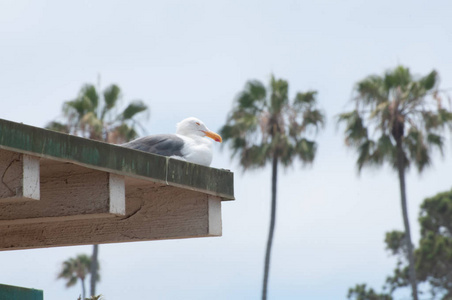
{"x":19,"y":177}
{"x":69,"y":192}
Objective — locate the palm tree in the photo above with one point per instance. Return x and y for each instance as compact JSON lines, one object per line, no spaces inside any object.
{"x":264,"y":126}
{"x":95,"y":116}
{"x":399,"y":119}
{"x":74,"y":269}
{"x":88,"y":117}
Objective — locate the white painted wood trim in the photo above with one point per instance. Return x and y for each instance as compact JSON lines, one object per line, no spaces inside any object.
{"x":117,"y":194}
{"x":214,"y":219}
{"x":31,"y":182}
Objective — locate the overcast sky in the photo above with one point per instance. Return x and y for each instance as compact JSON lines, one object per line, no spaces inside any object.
{"x":191,"y":58}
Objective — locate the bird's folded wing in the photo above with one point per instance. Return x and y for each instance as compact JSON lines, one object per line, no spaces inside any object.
{"x":162,"y":144}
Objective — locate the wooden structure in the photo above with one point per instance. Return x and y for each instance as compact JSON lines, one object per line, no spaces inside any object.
{"x":60,"y":190}
{"x":10,"y":292}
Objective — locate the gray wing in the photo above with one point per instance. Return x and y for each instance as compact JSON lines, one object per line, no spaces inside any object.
{"x":162,"y":144}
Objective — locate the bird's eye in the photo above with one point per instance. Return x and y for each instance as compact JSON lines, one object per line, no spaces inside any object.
{"x":197,"y":123}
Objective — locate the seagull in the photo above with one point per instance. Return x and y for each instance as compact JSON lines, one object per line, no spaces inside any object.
{"x":190,"y":143}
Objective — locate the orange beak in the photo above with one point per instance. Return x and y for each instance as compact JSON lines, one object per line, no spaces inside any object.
{"x":214,"y":136}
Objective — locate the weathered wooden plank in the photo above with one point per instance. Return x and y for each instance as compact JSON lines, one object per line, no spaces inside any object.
{"x":69,"y":192}
{"x":19,"y":174}
{"x":152,"y":213}
{"x":114,"y":159}
{"x":193,"y":176}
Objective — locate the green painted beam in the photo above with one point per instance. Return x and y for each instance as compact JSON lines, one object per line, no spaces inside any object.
{"x":115,"y":159}
{"x":9,"y":292}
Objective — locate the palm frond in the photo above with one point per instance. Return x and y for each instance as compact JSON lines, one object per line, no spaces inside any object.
{"x":431,"y":119}
{"x":367,"y":154}
{"x":306,"y":150}
{"x":386,"y":146}
{"x":372,"y":90}
{"x":254,"y":156}
{"x":355,"y":131}
{"x":78,"y":107}
{"x":398,"y":78}
{"x":90,"y":95}
{"x":429,"y":81}
{"x":436,"y":141}
{"x":279,"y":95}
{"x":71,"y":281}
{"x":314,"y":118}
{"x":381,"y":111}
{"x":252,"y":100}
{"x":307,"y":98}
{"x":134,"y":108}
{"x":111,"y":97}
{"x":241,"y":123}
{"x":256,"y":90}
{"x":444,"y":118}
{"x":417,"y":148}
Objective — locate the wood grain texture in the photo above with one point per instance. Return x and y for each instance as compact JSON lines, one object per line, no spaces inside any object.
{"x":19,"y":177}
{"x":69,"y":192}
{"x":152,"y":213}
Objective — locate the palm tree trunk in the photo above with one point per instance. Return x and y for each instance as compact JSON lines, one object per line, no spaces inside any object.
{"x":94,"y":269}
{"x":83,"y":288}
{"x":272,"y":226}
{"x":401,"y":171}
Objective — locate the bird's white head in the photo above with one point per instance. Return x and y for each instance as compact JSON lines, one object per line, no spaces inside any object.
{"x":194,"y":126}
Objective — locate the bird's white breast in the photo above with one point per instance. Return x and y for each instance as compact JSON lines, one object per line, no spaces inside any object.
{"x":197,"y":149}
